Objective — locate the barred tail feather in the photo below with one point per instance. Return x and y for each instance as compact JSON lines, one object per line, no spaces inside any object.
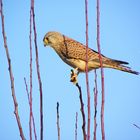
{"x":116,"y":64}
{"x":119,"y":65}
{"x":126,"y":69}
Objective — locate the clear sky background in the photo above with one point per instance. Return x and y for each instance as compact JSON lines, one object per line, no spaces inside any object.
{"x":120,"y":39}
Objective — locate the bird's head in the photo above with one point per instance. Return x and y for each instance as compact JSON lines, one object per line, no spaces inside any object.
{"x":53,"y":38}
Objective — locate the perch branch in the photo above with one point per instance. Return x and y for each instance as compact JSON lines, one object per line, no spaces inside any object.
{"x":58,"y":125}
{"x":95,"y":106}
{"x":76,"y":121}
{"x":82,"y":111}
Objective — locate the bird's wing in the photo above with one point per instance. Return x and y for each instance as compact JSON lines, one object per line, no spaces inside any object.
{"x":72,"y":49}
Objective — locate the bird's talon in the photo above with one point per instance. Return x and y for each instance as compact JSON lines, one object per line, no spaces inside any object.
{"x":73,"y":77}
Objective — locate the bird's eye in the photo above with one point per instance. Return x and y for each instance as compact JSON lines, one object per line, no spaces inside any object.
{"x":47,"y":38}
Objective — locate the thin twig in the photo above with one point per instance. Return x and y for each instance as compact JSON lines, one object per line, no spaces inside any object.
{"x":11,"y":73}
{"x":102,"y":72}
{"x":82,"y":111}
{"x":137,"y":126}
{"x":58,"y":125}
{"x":30,"y":102}
{"x":95,"y":106}
{"x":87,"y":81}
{"x":34,"y":126}
{"x":38,"y":72}
{"x":76,"y":121}
{"x":27,"y":91}
{"x":30,"y":116}
{"x":28,"y":95}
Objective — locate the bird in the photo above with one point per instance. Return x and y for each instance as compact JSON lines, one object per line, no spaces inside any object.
{"x":74,"y":54}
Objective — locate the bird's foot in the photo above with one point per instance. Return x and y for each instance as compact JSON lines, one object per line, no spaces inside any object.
{"x":73,"y":77}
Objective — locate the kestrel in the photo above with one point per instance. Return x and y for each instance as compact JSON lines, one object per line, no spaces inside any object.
{"x":74,"y":54}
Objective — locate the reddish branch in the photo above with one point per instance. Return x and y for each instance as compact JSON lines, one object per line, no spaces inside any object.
{"x":31,"y":112}
{"x":95,"y":106}
{"x":28,"y":95}
{"x":76,"y":126}
{"x":82,"y":111}
{"x":11,"y":73}
{"x":38,"y":72}
{"x":34,"y":126}
{"x":27,"y":91}
{"x":102,"y":72}
{"x":58,"y":125}
{"x":30,"y":99}
{"x":87,"y":82}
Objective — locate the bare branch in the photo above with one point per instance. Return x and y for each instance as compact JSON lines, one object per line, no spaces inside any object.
{"x":38,"y":72}
{"x":82,"y":111}
{"x":11,"y":73}
{"x":87,"y":81}
{"x":95,"y":106}
{"x":32,"y":116}
{"x":102,"y":72}
{"x":34,"y":126}
{"x":137,"y":126}
{"x":30,"y":101}
{"x":27,"y":91}
{"x":76,"y":121}
{"x":58,"y":125}
{"x":31,"y":81}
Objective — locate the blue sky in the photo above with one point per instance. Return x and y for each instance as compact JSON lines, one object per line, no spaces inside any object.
{"x":120,"y":28}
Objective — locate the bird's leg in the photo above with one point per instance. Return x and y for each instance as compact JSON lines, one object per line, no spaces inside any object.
{"x":74,"y":74}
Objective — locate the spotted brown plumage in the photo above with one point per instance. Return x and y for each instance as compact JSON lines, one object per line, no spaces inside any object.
{"x":74,"y":54}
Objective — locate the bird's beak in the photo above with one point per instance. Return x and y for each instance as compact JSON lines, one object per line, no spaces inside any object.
{"x":45,"y":41}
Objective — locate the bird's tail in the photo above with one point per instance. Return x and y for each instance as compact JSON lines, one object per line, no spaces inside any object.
{"x":119,"y":65}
